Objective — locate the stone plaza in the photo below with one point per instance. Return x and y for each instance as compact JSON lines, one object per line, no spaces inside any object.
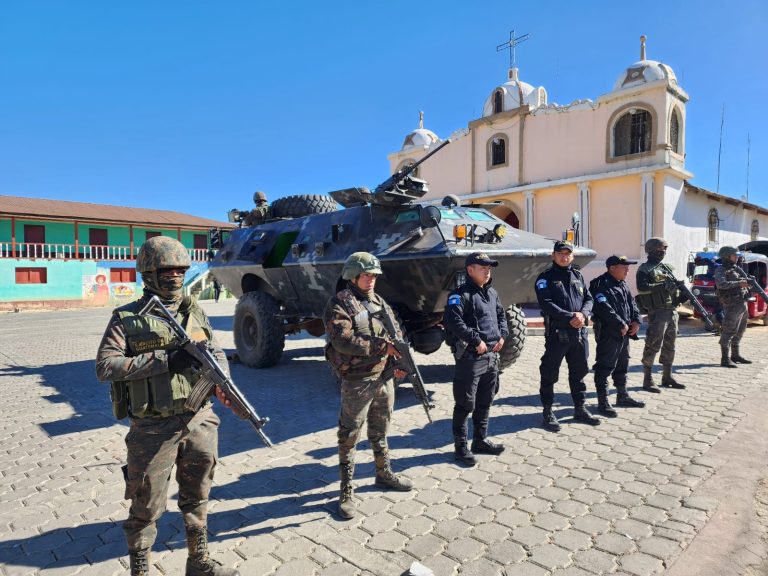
{"x":677,"y":487}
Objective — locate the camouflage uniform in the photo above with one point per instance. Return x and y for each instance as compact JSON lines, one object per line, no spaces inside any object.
{"x":357,"y":352}
{"x":728,"y":280}
{"x":260,"y":214}
{"x":150,"y":386}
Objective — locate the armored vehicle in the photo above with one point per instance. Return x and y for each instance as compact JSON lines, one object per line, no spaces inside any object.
{"x":285,"y":270}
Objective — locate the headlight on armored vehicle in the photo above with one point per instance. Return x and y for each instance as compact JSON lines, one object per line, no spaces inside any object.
{"x":499,"y":231}
{"x":460,"y":232}
{"x":696,"y":291}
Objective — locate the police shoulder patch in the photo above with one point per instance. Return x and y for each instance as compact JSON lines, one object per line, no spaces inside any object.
{"x":541,"y":284}
{"x":454,"y":299}
{"x":601,"y":298}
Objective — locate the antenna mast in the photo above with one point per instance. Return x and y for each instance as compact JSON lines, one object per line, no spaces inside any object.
{"x":720,"y":148}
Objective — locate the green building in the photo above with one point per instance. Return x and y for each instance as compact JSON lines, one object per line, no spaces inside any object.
{"x":56,"y":253}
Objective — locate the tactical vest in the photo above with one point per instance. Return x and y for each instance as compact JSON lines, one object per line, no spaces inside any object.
{"x":733,"y":295}
{"x":660,"y":297}
{"x":160,"y":395}
{"x":347,"y":365}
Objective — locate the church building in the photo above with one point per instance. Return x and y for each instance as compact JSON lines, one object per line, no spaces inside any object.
{"x":618,"y":162}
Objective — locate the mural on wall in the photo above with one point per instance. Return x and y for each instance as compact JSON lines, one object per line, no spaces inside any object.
{"x":98,"y":291}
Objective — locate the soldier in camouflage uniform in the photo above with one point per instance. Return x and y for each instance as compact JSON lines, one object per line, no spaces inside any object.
{"x":658,"y":296}
{"x":151,"y":379}
{"x":259,"y":214}
{"x":361,"y":353}
{"x":732,"y":292}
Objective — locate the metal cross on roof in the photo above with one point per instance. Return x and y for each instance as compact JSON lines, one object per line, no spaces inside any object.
{"x":510,"y":44}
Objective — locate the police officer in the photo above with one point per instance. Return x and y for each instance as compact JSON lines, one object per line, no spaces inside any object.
{"x":566,"y":306}
{"x":658,"y":296}
{"x":476,"y":326}
{"x":732,"y":292}
{"x":616,"y":319}
{"x":151,"y":380}
{"x":361,"y":353}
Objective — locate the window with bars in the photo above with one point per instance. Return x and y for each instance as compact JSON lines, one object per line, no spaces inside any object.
{"x":674,"y":132}
{"x":31,"y":276}
{"x":498,"y":101}
{"x":117,"y":275}
{"x":498,"y":151}
{"x":632,"y":133}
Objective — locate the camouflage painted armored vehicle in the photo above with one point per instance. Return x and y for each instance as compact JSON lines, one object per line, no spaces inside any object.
{"x":285,"y":270}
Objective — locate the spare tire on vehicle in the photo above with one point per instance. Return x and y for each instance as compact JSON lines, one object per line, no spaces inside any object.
{"x":513,"y":345}
{"x":302,"y":205}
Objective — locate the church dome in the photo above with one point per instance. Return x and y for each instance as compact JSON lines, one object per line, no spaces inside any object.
{"x":508,"y":96}
{"x":419,"y":138}
{"x":645,"y":71}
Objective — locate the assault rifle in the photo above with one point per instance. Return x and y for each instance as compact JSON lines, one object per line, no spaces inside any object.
{"x":406,"y":362}
{"x":211,"y":373}
{"x":754,"y":284}
{"x":680,"y":285}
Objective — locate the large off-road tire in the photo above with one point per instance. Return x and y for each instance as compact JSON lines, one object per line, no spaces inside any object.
{"x":513,"y":345}
{"x":259,"y":334}
{"x":302,"y":205}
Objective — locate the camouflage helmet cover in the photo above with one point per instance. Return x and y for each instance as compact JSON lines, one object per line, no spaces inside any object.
{"x":360,"y":263}
{"x":162,"y":252}
{"x":726,"y":251}
{"x":259,"y":197}
{"x":655,"y":243}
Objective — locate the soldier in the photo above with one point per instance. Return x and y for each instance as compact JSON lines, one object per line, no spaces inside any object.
{"x":476,"y":325}
{"x":566,"y":306}
{"x":616,"y":320}
{"x":731,"y":291}
{"x":151,"y":380}
{"x":361,"y":354}
{"x":658,"y":296}
{"x":259,"y":214}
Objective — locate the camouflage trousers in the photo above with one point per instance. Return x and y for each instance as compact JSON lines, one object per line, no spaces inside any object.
{"x":154,"y":446}
{"x":371,"y":399}
{"x":660,"y":334}
{"x":734,"y":323}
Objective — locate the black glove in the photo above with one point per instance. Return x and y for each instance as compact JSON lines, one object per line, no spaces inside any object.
{"x":180,"y":360}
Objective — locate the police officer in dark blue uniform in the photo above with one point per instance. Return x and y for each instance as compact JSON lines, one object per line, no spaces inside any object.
{"x":476,"y":328}
{"x":616,"y":320}
{"x":566,"y":306}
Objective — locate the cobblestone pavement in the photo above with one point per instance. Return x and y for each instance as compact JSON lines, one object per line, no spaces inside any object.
{"x":620,"y":498}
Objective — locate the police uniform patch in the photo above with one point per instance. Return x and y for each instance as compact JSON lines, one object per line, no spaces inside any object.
{"x":454,"y":299}
{"x":541,"y":284}
{"x":601,"y":298}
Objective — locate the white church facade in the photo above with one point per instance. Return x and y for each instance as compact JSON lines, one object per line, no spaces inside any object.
{"x":618,"y":161}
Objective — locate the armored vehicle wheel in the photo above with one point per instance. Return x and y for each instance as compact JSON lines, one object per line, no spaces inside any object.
{"x":259,"y":334}
{"x":302,"y":205}
{"x":513,"y":346}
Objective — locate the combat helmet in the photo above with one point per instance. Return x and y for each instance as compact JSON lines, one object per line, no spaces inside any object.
{"x":655,"y":244}
{"x":259,"y":197}
{"x":359,"y":263}
{"x":726,"y":251}
{"x":162,"y":252}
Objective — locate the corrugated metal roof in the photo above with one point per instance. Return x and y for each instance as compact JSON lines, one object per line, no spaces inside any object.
{"x":84,"y":211}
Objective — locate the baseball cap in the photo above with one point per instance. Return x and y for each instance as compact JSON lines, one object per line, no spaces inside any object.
{"x":614,"y":260}
{"x":480,"y":258}
{"x":562,"y":245}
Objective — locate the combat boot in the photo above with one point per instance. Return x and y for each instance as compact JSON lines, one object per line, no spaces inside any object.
{"x":485,"y":446}
{"x":581,"y":414}
{"x":462,"y":453}
{"x":139,"y":562}
{"x":648,"y":384}
{"x":624,"y":400}
{"x":347,"y":491}
{"x":550,"y":420}
{"x":199,"y":561}
{"x":725,"y":357}
{"x":603,"y":404}
{"x":668,"y":381}
{"x":736,"y":357}
{"x":386,"y":477}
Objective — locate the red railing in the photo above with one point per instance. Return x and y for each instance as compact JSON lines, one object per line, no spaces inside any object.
{"x":29,"y":250}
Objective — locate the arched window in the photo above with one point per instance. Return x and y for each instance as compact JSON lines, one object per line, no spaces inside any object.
{"x":713,"y":226}
{"x":498,"y":101}
{"x":755,"y":232}
{"x":632,"y":133}
{"x":497,"y":151}
{"x":674,"y":132}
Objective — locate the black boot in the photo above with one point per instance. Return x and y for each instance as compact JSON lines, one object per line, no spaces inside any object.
{"x":550,"y":420}
{"x":139,"y":562}
{"x":736,"y":357}
{"x":199,"y":562}
{"x":667,"y":381}
{"x":725,"y":360}
{"x":624,"y":400}
{"x":648,"y":384}
{"x":603,"y":405}
{"x":581,"y":414}
{"x":480,"y":442}
{"x":462,"y":454}
{"x":485,"y":446}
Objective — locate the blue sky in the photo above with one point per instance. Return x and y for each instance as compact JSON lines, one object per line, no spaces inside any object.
{"x":194,"y":105}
